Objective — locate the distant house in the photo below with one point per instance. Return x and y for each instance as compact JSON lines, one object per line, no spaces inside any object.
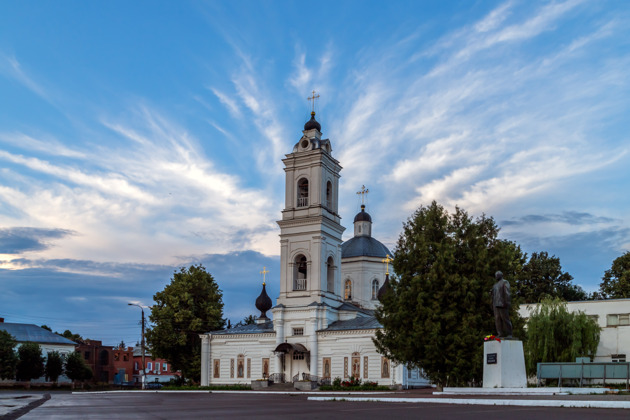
{"x":158,"y":370}
{"x":109,"y":364}
{"x":48,"y":341}
{"x":613,"y":317}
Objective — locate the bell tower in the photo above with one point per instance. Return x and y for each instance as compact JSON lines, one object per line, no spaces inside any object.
{"x":310,"y":229}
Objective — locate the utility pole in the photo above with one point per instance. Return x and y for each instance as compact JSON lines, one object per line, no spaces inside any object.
{"x":144,"y":366}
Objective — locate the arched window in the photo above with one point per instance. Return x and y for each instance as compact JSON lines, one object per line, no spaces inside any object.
{"x":300,"y":273}
{"x":329,"y":197}
{"x":375,"y":287}
{"x":330,"y":275}
{"x":302,"y":192}
{"x":348,"y":290}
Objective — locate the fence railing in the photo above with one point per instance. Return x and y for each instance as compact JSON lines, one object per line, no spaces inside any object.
{"x":581,"y":371}
{"x":300,"y":284}
{"x":312,"y":378}
{"x":277,"y":378}
{"x":302,"y":201}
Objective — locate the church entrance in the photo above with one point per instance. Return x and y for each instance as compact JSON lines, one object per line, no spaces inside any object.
{"x":297,"y":358}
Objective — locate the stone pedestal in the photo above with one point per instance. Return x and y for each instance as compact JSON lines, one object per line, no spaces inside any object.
{"x":504,"y":364}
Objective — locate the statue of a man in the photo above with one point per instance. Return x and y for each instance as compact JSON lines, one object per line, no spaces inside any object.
{"x":501,"y":302}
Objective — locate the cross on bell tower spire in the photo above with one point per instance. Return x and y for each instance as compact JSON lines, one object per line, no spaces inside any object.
{"x":364,"y":191}
{"x":312,"y":99}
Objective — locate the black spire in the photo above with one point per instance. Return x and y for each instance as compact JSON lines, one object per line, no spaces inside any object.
{"x":312,"y":123}
{"x":263,"y":303}
{"x":384,"y":289}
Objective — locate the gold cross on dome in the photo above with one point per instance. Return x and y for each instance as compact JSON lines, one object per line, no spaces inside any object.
{"x":264,"y":272}
{"x":387,"y":260}
{"x":363,"y":193}
{"x":312,"y":99}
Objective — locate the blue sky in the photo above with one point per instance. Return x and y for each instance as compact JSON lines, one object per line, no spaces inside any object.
{"x":137,"y":137}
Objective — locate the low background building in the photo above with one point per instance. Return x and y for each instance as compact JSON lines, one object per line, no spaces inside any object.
{"x":612,"y":315}
{"x":48,"y":341}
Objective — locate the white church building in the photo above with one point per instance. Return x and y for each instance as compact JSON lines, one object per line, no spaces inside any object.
{"x":323,"y":321}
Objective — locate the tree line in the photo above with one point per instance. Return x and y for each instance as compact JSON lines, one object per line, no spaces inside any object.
{"x":437,"y":308}
{"x":27,"y":362}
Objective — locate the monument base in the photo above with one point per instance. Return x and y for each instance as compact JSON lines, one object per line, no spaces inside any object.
{"x":504,"y":364}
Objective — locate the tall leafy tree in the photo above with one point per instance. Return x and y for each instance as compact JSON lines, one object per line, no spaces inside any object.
{"x":54,"y":366}
{"x":616,"y":281}
{"x":542,"y":276}
{"x":30,"y":362}
{"x":8,"y":357}
{"x":76,"y":368}
{"x":438,"y":309}
{"x":248,"y":320}
{"x":557,"y":335}
{"x":190,"y":305}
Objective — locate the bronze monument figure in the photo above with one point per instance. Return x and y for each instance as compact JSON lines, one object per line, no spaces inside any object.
{"x":501,"y":302}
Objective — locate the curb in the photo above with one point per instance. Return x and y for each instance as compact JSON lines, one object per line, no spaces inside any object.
{"x":520,"y":403}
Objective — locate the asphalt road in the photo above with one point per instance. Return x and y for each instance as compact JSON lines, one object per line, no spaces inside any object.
{"x":265,"y":406}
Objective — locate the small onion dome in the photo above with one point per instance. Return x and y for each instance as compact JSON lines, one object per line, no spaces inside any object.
{"x":384,"y":288}
{"x":363,"y":216}
{"x":312,"y":123}
{"x":263,"y":303}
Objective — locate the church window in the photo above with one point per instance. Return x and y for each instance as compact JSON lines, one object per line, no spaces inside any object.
{"x":300,"y":273}
{"x":265,"y":368}
{"x":329,"y":195}
{"x":348,"y":290}
{"x":384,"y":367}
{"x":326,"y":369}
{"x":356,"y":365}
{"x":298,"y":356}
{"x":330,"y":275}
{"x":240,"y":366}
{"x":298,"y":331}
{"x":618,"y":358}
{"x":302,"y":193}
{"x":375,"y":287}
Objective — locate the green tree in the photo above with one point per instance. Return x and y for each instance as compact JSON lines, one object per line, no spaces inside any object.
{"x":76,"y":369}
{"x":8,"y":358}
{"x":54,"y":366}
{"x":122,"y":345}
{"x":438,"y":308}
{"x":46,"y":327}
{"x":248,"y":320}
{"x":190,"y":305}
{"x":557,"y":335}
{"x":542,"y":276}
{"x":30,"y":363}
{"x":616,"y":281}
{"x":71,"y":336}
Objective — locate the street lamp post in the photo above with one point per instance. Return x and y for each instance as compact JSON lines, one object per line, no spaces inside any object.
{"x":144,"y":366}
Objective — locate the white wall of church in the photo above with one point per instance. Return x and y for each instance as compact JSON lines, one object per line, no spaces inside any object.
{"x":362,"y":271}
{"x":229,"y":350}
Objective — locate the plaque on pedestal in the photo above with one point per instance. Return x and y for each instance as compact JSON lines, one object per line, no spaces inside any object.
{"x":504,"y":364}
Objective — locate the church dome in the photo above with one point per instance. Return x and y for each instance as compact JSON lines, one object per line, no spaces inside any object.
{"x":363,"y":246}
{"x":363,"y":216}
{"x":312,"y":123}
{"x":263,"y":302}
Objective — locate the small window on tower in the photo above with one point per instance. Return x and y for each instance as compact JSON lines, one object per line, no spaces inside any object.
{"x":300,"y":273}
{"x":302,"y":193}
{"x":298,"y":331}
{"x":348,"y":290}
{"x":375,"y":289}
